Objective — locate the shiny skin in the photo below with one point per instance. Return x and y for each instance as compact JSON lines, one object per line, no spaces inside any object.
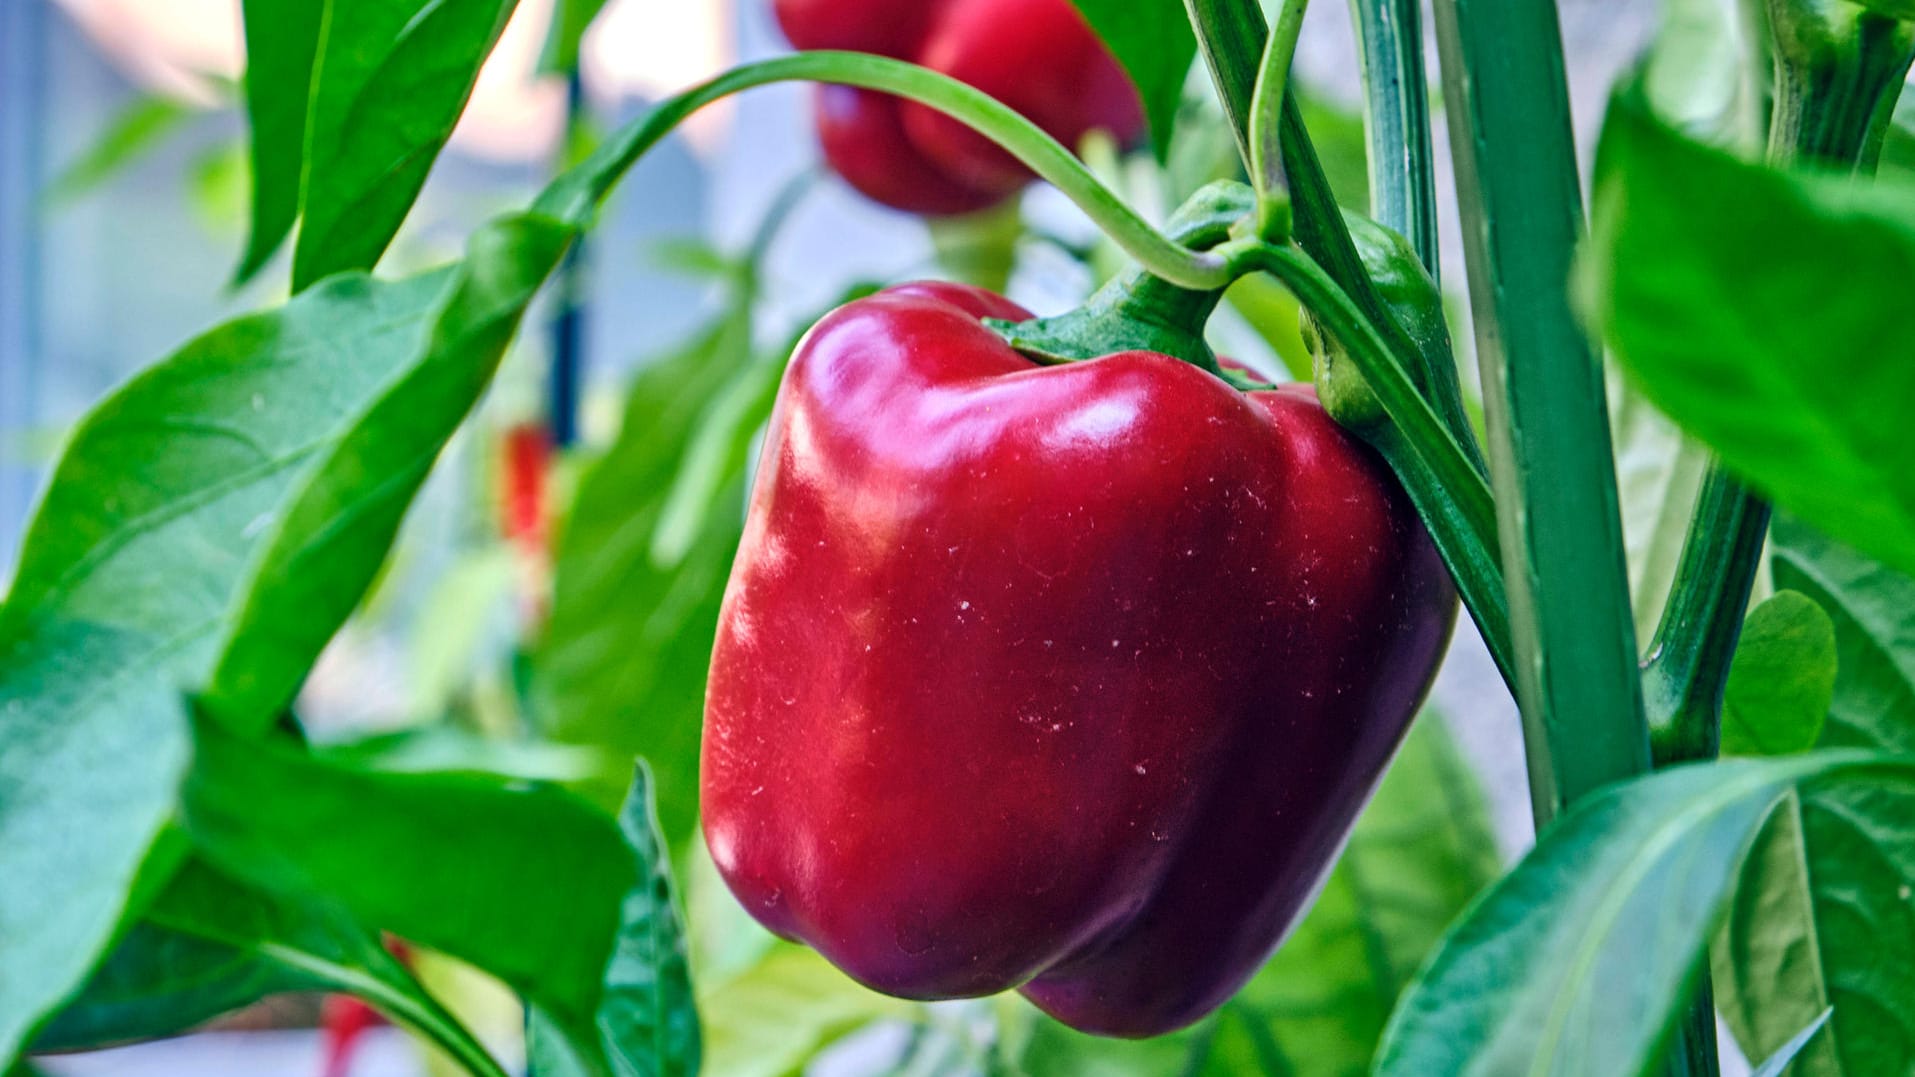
{"x":1038,"y":56}
{"x":862,"y":135}
{"x":1069,"y":679}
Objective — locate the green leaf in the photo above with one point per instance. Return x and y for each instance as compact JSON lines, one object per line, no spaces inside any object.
{"x":531,"y":884}
{"x":1155,"y":44}
{"x":158,"y":982}
{"x":93,"y":744}
{"x":1822,"y":916}
{"x":313,"y":942}
{"x":282,"y":37}
{"x":1580,"y":960}
{"x":211,"y":524}
{"x":1779,"y":1061}
{"x":1781,"y":680}
{"x":1897,"y":9}
{"x":775,"y":1017}
{"x":623,"y":661}
{"x":139,"y":126}
{"x":1766,"y":341}
{"x":389,"y":85}
{"x":570,"y":20}
{"x":445,"y":748}
{"x":323,"y":548}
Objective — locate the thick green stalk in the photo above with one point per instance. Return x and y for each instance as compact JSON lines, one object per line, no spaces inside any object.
{"x":575,"y":196}
{"x":1396,"y":118}
{"x":1555,"y":480}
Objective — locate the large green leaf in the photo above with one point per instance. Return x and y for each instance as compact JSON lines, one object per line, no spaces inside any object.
{"x":624,"y":656}
{"x":1768,"y":341}
{"x":311,"y":943}
{"x":389,"y":82}
{"x":568,"y":906}
{"x":1580,"y":960}
{"x":1154,"y":42}
{"x":158,"y":982}
{"x":1822,"y":917}
{"x":1421,"y":850}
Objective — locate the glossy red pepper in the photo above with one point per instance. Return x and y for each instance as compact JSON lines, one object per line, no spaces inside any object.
{"x":1063,"y":678}
{"x":1038,"y":56}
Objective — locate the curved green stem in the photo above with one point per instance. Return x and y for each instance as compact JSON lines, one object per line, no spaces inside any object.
{"x":1266,"y":123}
{"x":575,"y":196}
{"x":1689,"y":655}
{"x":1396,"y":117}
{"x":1232,"y":34}
{"x":1449,"y":493}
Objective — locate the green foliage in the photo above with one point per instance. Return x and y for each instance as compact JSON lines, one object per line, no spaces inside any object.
{"x":771,"y":1019}
{"x":159,"y":982}
{"x":623,"y":660}
{"x":1553,"y":971}
{"x":1155,"y":44}
{"x":140,"y":126}
{"x":1821,"y":918}
{"x":180,"y":511}
{"x":570,"y":20}
{"x":1765,"y":340}
{"x":1782,"y":679}
{"x":360,"y":98}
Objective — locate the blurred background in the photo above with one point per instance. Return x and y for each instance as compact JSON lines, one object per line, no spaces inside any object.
{"x":123,"y":203}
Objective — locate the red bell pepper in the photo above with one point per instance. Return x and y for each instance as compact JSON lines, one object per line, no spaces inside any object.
{"x":1063,"y":678}
{"x":1038,"y":56}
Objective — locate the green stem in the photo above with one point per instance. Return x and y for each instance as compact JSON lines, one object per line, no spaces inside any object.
{"x":1266,"y":123}
{"x":575,"y":196}
{"x":1449,"y":493}
{"x":1689,"y":655}
{"x":1396,"y":117}
{"x":1572,"y":632}
{"x":1231,"y":35}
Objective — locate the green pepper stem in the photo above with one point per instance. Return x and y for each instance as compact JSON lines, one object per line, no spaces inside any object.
{"x":1448,"y":491}
{"x":1266,"y":123}
{"x":1396,"y":118}
{"x":575,"y":196}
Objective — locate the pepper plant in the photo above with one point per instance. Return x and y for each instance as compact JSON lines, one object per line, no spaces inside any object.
{"x":1722,"y":789}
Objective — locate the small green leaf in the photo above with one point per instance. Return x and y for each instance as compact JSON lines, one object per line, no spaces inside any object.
{"x":139,"y":126}
{"x":282,"y":37}
{"x":1580,"y":960}
{"x":1821,"y":916}
{"x":1765,"y":340}
{"x":389,"y":84}
{"x":1155,"y":44}
{"x":1897,"y":9}
{"x":1782,"y":679}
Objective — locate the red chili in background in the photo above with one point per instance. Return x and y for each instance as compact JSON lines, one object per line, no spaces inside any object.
{"x":1037,"y":56}
{"x":1069,"y":678}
